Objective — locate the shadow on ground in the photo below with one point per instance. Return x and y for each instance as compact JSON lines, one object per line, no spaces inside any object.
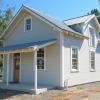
{"x":6,"y":94}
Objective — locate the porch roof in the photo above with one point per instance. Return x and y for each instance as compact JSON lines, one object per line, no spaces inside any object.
{"x":26,"y":46}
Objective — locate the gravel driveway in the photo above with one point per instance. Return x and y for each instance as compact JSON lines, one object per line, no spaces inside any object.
{"x":81,"y":92}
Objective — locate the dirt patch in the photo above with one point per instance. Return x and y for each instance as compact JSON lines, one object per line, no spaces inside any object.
{"x":86,"y":92}
{"x":94,"y":90}
{"x":67,"y":95}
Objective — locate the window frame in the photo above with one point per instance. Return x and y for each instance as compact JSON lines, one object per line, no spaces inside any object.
{"x":44,"y":60}
{"x":99,"y":36}
{"x":29,"y":17}
{"x":91,"y":28}
{"x":71,"y":69}
{"x":91,"y":69}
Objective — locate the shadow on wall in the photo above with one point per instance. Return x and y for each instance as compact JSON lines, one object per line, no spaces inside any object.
{"x":73,"y":42}
{"x":98,"y":49}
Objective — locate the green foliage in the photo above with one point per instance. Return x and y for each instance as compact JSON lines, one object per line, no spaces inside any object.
{"x":5,"y":17}
{"x":95,"y":11}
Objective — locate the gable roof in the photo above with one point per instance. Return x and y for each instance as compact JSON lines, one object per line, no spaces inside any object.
{"x":37,"y":44}
{"x":82,"y":19}
{"x":52,"y":21}
{"x":78,"y":20}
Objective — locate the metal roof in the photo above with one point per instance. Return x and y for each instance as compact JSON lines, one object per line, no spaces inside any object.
{"x":78,"y":20}
{"x":58,"y":23}
{"x":27,"y":45}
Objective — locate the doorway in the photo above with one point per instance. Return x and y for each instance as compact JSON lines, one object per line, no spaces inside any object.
{"x":16,"y":64}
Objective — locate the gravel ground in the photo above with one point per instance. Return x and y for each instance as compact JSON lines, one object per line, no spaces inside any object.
{"x":81,"y":92}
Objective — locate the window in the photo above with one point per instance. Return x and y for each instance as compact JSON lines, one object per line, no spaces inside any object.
{"x":99,"y":35}
{"x":74,"y":60}
{"x":92,"y":37}
{"x":92,"y":61}
{"x":40,"y":59}
{"x":28,"y":24}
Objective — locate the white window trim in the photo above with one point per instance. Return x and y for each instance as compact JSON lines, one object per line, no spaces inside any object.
{"x":29,"y":17}
{"x":45,"y":63}
{"x":91,"y":70}
{"x":98,"y":36}
{"x":71,"y":69}
{"x":90,"y":27}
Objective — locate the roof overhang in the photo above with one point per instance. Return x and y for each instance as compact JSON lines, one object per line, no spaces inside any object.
{"x":83,"y":20}
{"x":75,"y":35}
{"x":26,"y":47}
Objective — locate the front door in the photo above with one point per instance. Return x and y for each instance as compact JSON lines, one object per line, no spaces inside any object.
{"x":16,"y":60}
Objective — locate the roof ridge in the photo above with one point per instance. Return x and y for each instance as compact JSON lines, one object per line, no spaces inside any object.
{"x":39,"y":11}
{"x":77,"y":17}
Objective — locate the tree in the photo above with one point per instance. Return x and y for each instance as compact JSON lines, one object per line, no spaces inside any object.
{"x":94,"y":11}
{"x":5,"y":17}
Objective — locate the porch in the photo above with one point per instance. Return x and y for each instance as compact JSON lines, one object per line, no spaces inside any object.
{"x":24,"y":48}
{"x":25,"y":87}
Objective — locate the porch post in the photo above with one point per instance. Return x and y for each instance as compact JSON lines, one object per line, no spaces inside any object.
{"x":8,"y":58}
{"x":35,"y":71}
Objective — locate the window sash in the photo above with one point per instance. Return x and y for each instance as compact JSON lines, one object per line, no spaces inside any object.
{"x":92,"y":60}
{"x":99,"y":35}
{"x":74,"y":59}
{"x":92,"y":37}
{"x":41,"y":59}
{"x":28,"y":24}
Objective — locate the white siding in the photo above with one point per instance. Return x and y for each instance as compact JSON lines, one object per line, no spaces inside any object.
{"x":49,"y":76}
{"x":40,"y":31}
{"x":84,"y":75}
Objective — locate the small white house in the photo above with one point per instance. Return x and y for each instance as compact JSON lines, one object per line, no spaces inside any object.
{"x":41,"y":52}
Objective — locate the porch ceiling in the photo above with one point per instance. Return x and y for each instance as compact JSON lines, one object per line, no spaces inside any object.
{"x":26,"y":47}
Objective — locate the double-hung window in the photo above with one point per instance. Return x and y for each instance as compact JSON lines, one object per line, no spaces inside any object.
{"x":41,"y":59}
{"x":28,"y":24}
{"x":92,"y":61}
{"x":91,"y":37}
{"x":99,"y":36}
{"x":74,"y":59}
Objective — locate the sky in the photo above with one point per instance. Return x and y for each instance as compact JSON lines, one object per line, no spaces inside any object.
{"x":61,"y":9}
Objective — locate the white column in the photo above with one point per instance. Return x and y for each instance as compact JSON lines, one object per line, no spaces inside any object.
{"x":35,"y":71}
{"x":61,"y":60}
{"x":8,"y":59}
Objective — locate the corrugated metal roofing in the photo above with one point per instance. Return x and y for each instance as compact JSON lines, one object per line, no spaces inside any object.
{"x":27,"y":45}
{"x":58,"y":23}
{"x":77,"y":20}
{"x":54,"y":21}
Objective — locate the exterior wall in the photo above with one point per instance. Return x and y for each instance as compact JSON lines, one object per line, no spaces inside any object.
{"x":27,"y":68}
{"x":49,"y":76}
{"x":84,"y":75}
{"x":40,"y":31}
